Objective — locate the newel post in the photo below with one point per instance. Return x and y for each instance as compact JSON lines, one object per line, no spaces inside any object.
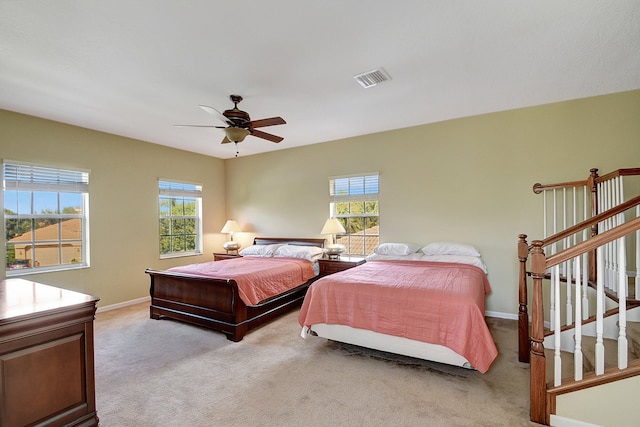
{"x":523,"y":315}
{"x":538,"y":364}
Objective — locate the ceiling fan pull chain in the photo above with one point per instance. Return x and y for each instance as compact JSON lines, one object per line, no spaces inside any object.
{"x":237,"y":152}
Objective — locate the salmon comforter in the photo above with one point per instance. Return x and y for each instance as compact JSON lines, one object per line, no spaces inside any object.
{"x":433,"y":302}
{"x":258,"y":278}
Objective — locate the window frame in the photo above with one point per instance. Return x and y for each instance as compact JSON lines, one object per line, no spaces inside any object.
{"x":36,"y":180}
{"x":348,"y":189}
{"x":179,"y":190}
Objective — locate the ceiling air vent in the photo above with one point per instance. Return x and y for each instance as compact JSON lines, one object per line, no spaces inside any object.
{"x":372,"y":78}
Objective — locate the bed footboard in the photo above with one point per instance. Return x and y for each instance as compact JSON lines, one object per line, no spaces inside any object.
{"x":214,"y":303}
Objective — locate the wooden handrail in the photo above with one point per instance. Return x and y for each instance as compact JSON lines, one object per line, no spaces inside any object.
{"x":539,"y":188}
{"x":591,"y":221}
{"x":617,"y":173}
{"x":593,"y":243}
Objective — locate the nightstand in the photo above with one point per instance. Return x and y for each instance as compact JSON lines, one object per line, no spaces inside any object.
{"x":330,"y":266}
{"x":222,"y":256}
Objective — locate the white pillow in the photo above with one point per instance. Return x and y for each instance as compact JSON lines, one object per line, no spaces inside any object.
{"x":265,"y":251}
{"x":450,"y":248}
{"x":293,"y":251}
{"x":396,"y":249}
{"x":459,"y":259}
{"x":416,"y":256}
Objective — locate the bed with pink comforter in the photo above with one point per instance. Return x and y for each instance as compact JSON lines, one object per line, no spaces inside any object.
{"x":258,"y":279}
{"x":236,"y":295}
{"x":432,"y":302}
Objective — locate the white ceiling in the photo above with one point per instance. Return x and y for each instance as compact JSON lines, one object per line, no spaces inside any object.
{"x":137,"y":67}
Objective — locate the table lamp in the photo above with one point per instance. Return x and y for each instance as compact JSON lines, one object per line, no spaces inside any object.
{"x":333,"y":226}
{"x":231,"y":227}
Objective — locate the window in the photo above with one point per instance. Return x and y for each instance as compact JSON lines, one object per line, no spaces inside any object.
{"x":354,"y":202}
{"x":180,"y":219}
{"x":46,"y":217}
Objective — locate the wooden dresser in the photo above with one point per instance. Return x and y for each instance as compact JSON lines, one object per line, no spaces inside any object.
{"x":46,"y":356}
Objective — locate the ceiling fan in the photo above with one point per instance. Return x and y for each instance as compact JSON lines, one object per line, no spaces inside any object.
{"x":239,"y":124}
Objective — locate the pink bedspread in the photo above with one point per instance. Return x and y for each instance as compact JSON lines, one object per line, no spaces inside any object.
{"x":438,"y":303}
{"x":257,"y":278}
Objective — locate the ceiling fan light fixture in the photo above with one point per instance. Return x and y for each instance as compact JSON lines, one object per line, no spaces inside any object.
{"x":236,"y":134}
{"x":372,"y":78}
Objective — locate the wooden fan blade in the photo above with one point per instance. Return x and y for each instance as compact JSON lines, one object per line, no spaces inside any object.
{"x":268,"y":122}
{"x":199,"y":126}
{"x":267,"y":136}
{"x":214,"y":112}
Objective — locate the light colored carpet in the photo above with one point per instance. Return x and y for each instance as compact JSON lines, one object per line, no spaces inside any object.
{"x":166,"y":373}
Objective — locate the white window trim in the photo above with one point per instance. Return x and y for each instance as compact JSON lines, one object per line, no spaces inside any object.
{"x":59,"y":187}
{"x":336,"y":198}
{"x":182,"y":193}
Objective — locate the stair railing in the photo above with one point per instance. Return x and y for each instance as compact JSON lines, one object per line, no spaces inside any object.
{"x":542,"y":403}
{"x":523,"y":254}
{"x":610,"y":192}
{"x":578,"y":201}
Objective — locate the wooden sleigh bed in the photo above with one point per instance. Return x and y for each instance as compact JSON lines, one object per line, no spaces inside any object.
{"x":416,"y":305}
{"x":216,"y":302}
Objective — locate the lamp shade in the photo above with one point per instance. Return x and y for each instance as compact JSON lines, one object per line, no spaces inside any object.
{"x":231,"y":226}
{"x":332,"y":226}
{"x":236,"y":134}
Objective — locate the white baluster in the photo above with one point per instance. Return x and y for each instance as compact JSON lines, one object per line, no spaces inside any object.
{"x":585,"y":264}
{"x":615,"y":221}
{"x":568,"y":269}
{"x":552,"y":302}
{"x":600,"y":198}
{"x":555,"y":218}
{"x":557,"y":360}
{"x":552,"y":293}
{"x":575,"y":215}
{"x":577,"y":354}
{"x":569,"y":306}
{"x":544,"y":214}
{"x":564,"y":227}
{"x":599,"y":312}
{"x":585,"y":287}
{"x":608,"y":254}
{"x":622,"y":305}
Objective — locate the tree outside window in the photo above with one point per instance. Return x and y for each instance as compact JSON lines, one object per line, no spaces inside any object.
{"x":180,"y":218}
{"x":354,"y":202}
{"x":45,"y":214}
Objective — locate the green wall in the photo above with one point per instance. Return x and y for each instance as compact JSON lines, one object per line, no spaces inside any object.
{"x":123,"y":200}
{"x":466,"y":180}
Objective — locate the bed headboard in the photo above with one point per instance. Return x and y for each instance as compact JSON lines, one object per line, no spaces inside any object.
{"x":289,"y":241}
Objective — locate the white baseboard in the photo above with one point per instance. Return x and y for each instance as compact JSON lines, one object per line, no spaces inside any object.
{"x":558,"y":421}
{"x":123,"y":304}
{"x":501,"y":315}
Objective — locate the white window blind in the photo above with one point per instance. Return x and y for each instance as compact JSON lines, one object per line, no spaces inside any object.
{"x":41,"y":178}
{"x":180,"y":189}
{"x":46,"y":216}
{"x":354,"y":187}
{"x":354,"y":202}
